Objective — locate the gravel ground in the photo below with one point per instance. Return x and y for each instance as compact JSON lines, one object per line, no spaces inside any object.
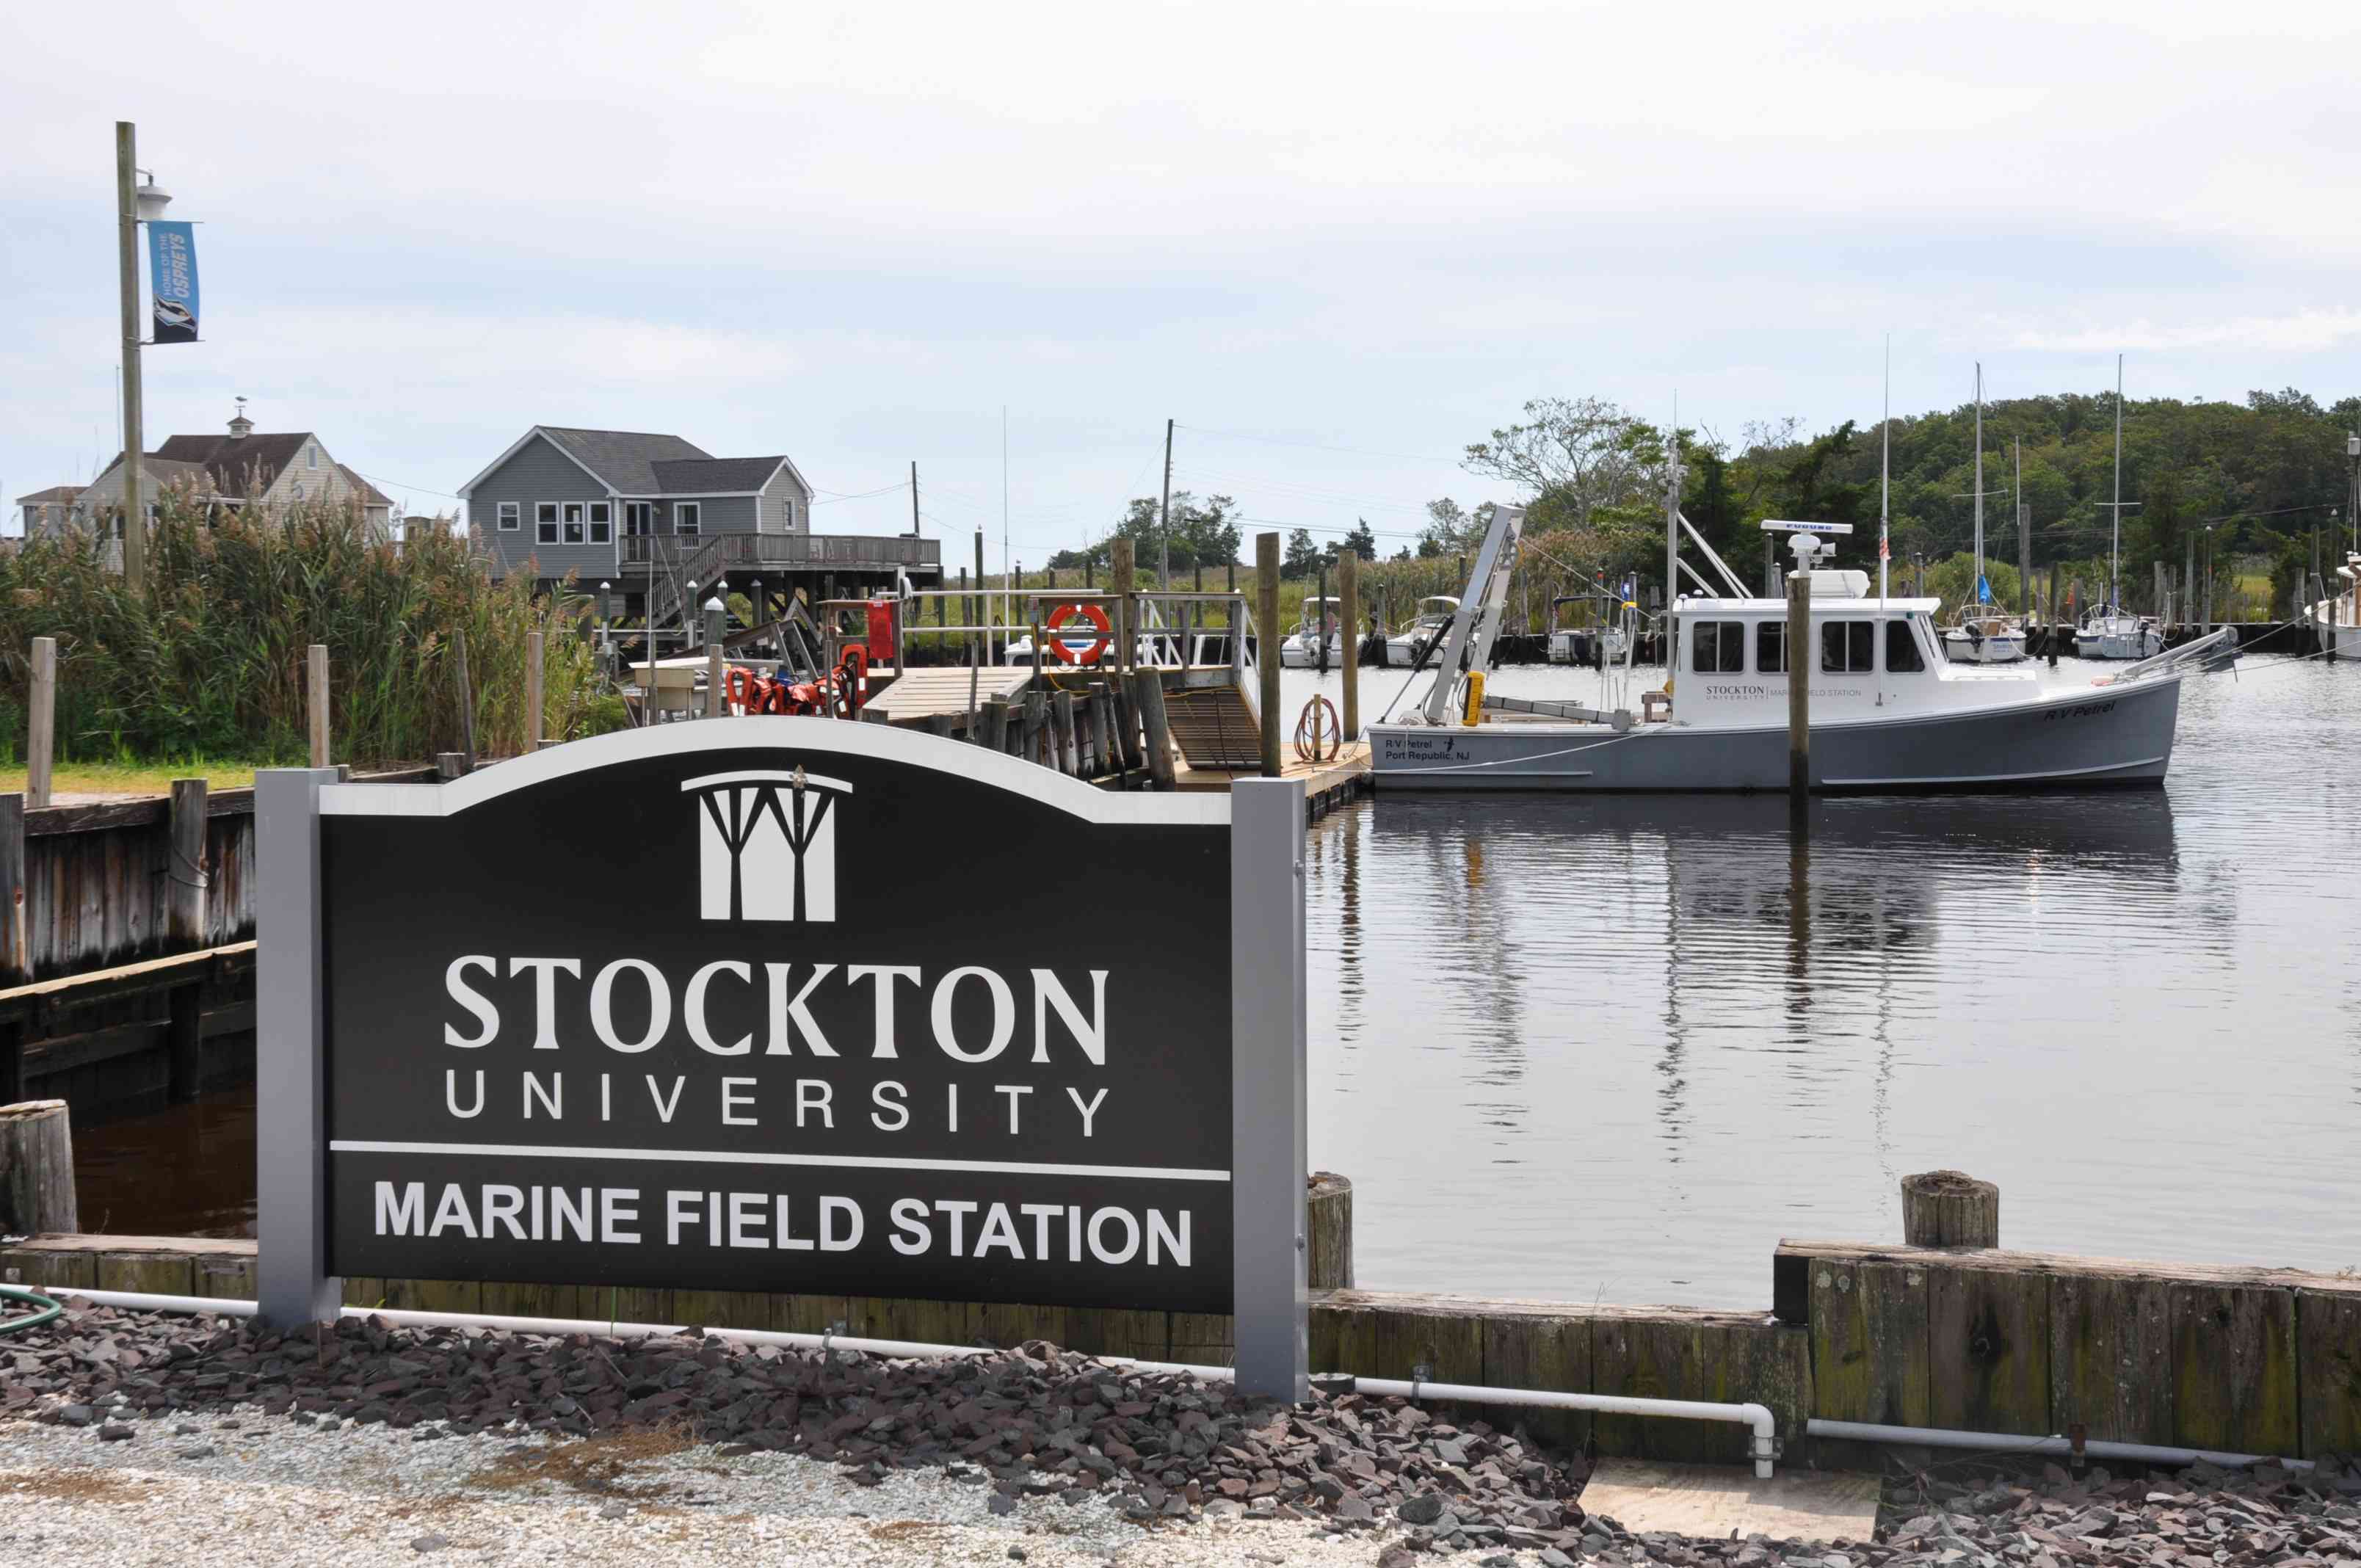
{"x":259,"y":1489}
{"x":130,"y":1438}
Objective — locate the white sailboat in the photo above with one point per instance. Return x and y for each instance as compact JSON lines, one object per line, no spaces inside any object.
{"x":1982,"y":632}
{"x":1300,"y":650}
{"x":2109,"y":630}
{"x":2336,"y":619}
{"x":1425,"y":631}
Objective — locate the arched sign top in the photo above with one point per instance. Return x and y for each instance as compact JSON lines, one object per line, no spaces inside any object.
{"x":803,"y":736}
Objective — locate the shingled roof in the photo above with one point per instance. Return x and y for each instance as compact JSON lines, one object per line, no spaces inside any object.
{"x":236,"y":462}
{"x":370,"y":495}
{"x":713,"y":476}
{"x":625,"y":459}
{"x":55,"y":495}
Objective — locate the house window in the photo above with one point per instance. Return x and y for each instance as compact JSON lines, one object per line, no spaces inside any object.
{"x":1902,"y":655}
{"x":684,"y":517}
{"x":1718,"y":647}
{"x":1770,"y":648}
{"x":511,"y":516}
{"x":602,"y":522}
{"x":544,"y":521}
{"x":311,"y":457}
{"x":573,"y":522}
{"x":638,"y":519}
{"x":1846,"y":647}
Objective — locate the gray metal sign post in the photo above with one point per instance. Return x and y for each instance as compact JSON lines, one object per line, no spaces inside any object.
{"x":1268,"y":1152}
{"x":290,"y":1101}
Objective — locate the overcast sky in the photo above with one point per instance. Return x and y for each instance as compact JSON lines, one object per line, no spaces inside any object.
{"x":1335,"y":243}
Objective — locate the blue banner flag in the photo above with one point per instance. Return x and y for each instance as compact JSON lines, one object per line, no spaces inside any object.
{"x":1983,"y":591}
{"x":172,"y":280}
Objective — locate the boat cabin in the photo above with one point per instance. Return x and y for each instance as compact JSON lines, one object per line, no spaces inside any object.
{"x":1868,"y":657}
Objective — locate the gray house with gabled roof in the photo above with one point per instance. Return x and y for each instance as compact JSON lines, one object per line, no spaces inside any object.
{"x":651,"y":513}
{"x":564,"y":498}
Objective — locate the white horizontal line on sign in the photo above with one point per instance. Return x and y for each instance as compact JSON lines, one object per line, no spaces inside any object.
{"x":721,"y":1156}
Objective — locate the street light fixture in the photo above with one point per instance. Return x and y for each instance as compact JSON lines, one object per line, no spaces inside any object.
{"x":134,"y":204}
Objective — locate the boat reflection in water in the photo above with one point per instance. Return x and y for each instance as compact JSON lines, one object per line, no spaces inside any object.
{"x":1638,"y":1037}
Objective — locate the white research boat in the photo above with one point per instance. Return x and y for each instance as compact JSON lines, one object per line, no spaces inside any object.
{"x":1888,"y":712}
{"x":1425,"y":631}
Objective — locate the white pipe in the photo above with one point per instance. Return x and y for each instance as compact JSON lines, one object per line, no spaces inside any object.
{"x":2017,"y":1442}
{"x":1758,"y":1417}
{"x":1755,"y":1416}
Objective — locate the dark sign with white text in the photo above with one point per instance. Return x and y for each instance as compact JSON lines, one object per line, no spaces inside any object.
{"x":792,"y":1019}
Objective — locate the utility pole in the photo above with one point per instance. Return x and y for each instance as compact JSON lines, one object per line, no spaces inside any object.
{"x":135,"y":466}
{"x":914,"y":498}
{"x":1164,"y":526}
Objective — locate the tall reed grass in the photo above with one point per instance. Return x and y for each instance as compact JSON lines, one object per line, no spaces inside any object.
{"x":209,"y":660}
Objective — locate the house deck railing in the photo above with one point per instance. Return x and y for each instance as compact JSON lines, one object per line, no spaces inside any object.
{"x":818,"y":550}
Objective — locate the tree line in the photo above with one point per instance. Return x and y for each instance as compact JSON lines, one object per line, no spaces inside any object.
{"x":2245,"y":482}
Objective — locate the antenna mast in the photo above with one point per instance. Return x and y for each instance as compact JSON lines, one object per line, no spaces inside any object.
{"x":1884,"y":470}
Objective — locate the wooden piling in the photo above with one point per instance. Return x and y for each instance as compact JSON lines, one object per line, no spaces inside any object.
{"x":1062,"y":734}
{"x":716,"y":688}
{"x":36,"y":1170}
{"x":16,"y":948}
{"x":1267,"y":646}
{"x":41,"y":723}
{"x":532,"y":691}
{"x":1126,"y":727}
{"x":996,"y":725}
{"x":315,"y":696}
{"x":468,"y":696}
{"x":2053,"y":615}
{"x":1348,"y":593}
{"x":449,"y":765}
{"x":186,"y":878}
{"x":1149,"y":685}
{"x":1949,"y":1208}
{"x":1799,"y":686}
{"x":1119,"y":579}
{"x":1036,"y":722}
{"x":1103,"y":747}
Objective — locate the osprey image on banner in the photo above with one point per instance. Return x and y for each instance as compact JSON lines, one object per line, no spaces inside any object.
{"x":172,"y":280}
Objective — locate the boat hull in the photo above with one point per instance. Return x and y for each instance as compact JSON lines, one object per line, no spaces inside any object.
{"x":2001,"y":648}
{"x":2117,"y":645}
{"x":2076,"y":740}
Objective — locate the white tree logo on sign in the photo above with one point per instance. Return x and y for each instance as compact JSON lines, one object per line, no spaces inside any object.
{"x":766,"y":845}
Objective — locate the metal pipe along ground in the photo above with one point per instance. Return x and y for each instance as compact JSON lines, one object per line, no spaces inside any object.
{"x":2018,"y":1443}
{"x":1757,"y":1417}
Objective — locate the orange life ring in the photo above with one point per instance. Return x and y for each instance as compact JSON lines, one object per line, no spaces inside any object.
{"x":1052,"y":625}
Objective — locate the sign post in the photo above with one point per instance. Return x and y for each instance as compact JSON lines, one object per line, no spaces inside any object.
{"x":788,"y":1005}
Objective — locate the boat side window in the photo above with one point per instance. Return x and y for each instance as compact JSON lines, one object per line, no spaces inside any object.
{"x":1902,"y":655}
{"x":1846,"y":647}
{"x":1770,"y":647}
{"x":1718,"y":647}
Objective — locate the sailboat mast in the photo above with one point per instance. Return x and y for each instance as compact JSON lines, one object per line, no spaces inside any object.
{"x":1976,"y":588}
{"x":2115,"y":545}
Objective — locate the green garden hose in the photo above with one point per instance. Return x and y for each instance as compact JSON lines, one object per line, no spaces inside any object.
{"x":48,"y":1309}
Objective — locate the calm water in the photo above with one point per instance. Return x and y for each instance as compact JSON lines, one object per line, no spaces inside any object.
{"x":1615,"y":1049}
